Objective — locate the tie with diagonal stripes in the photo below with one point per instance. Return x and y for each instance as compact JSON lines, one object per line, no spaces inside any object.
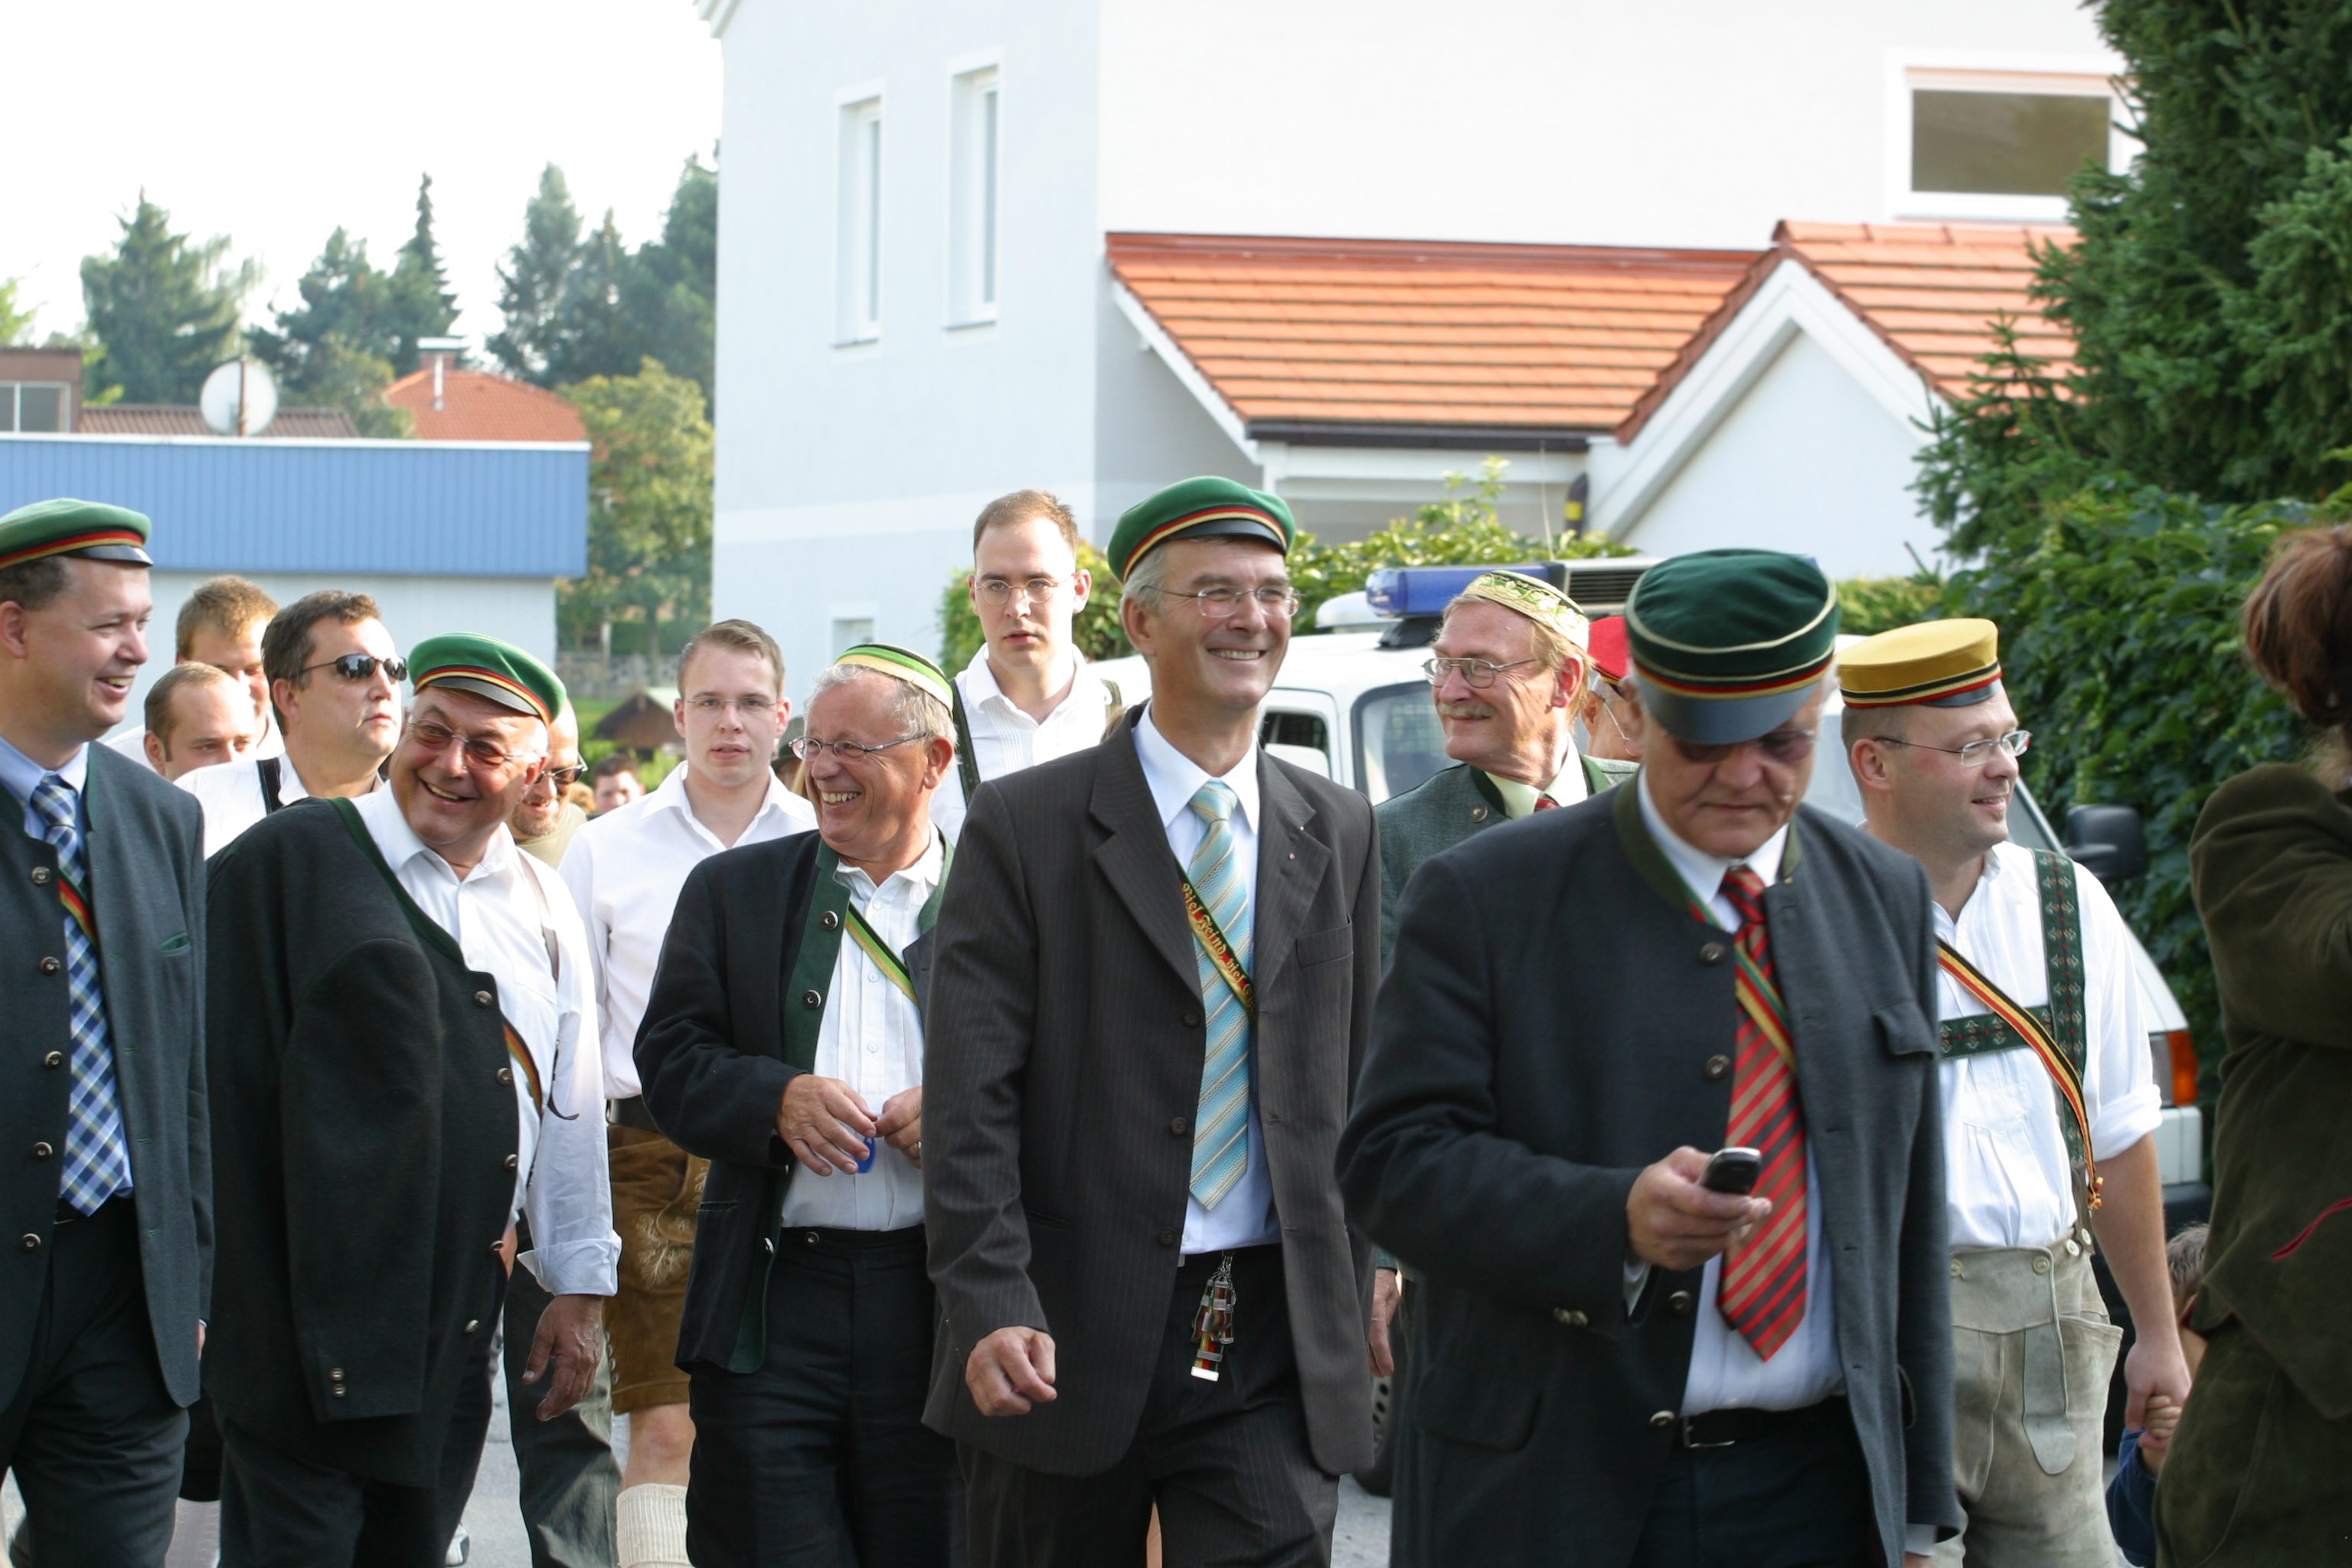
{"x":1761,"y":1293}
{"x":1221,"y":1130}
{"x":98,"y":1156}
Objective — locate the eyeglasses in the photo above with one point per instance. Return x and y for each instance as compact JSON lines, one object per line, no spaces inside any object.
{"x":1786,"y":747}
{"x":1479,"y":672}
{"x":435,"y":739}
{"x":359,"y":666}
{"x":1976,"y":753}
{"x":1035,"y":590}
{"x":563,"y":778}
{"x":745,"y":706}
{"x":806,"y":750}
{"x":1219,"y":603}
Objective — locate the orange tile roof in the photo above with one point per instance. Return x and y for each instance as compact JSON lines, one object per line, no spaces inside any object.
{"x":1529,"y":338}
{"x":479,"y":407}
{"x":1930,"y":291}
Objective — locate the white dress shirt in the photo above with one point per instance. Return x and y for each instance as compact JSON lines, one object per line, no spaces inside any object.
{"x":1005,"y":740}
{"x":1567,"y":788}
{"x":21,"y":776}
{"x":2006,"y":1180}
{"x":133,"y":742}
{"x":230,"y":793}
{"x":1726,"y":1373}
{"x":625,"y":869}
{"x":500,"y":913}
{"x":1245,"y":1215}
{"x":871,"y":1039}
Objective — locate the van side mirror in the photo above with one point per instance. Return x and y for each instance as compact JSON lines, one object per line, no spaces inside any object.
{"x":2108,"y":841}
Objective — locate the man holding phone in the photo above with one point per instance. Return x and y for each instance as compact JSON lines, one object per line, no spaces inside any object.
{"x":1615,"y":1365}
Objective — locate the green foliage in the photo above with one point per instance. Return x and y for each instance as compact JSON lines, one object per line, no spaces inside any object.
{"x":422,"y":304}
{"x":2120,"y":652}
{"x":649,"y":516}
{"x":671,"y":292}
{"x":1095,"y":629}
{"x":13,"y":324}
{"x":163,"y":310}
{"x":1867,"y":606}
{"x":530,"y":285}
{"x":336,"y":348}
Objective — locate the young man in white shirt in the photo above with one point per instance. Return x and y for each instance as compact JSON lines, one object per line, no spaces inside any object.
{"x":2047,"y":1102}
{"x":1026,"y":697}
{"x":625,"y":869}
{"x":334,"y":683}
{"x":220,"y":624}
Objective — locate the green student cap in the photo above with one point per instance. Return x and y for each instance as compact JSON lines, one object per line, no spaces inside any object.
{"x":69,"y":527}
{"x":1205,"y":507}
{"x":488,"y":667}
{"x":1727,"y":644}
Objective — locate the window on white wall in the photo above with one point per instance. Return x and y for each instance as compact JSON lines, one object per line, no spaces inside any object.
{"x":974,"y":164}
{"x":858,"y":221}
{"x":2000,"y":144}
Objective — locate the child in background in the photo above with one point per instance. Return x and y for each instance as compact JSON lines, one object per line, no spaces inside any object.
{"x":2139,"y":1458}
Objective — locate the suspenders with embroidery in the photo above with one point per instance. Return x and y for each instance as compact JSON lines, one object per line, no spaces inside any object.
{"x":2056,"y":1033}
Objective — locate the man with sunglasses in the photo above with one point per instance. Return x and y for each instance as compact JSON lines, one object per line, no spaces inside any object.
{"x":784,"y":1042}
{"x":1027,"y":696}
{"x":405,"y":1058}
{"x":2049,"y":1104}
{"x":1617,"y":1363}
{"x":544,"y":822}
{"x":334,"y":685}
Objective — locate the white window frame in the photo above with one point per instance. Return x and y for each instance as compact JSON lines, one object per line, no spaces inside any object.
{"x":859,"y":204}
{"x":975,"y":189}
{"x":15,"y":397}
{"x":2058,"y":77}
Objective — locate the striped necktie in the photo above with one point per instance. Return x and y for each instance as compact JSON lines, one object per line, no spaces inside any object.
{"x":1761,"y":1293}
{"x":1221,"y":1130}
{"x":98,"y":1156}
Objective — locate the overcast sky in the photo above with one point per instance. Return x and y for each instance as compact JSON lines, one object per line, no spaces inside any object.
{"x":274,"y":121}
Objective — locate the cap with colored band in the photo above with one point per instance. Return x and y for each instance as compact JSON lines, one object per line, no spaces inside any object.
{"x":899,"y":664}
{"x":1532,"y":598}
{"x":1936,"y":664}
{"x":488,"y":667}
{"x":1204,"y":508}
{"x":1607,"y":646}
{"x":69,"y":527}
{"x":1727,"y":644}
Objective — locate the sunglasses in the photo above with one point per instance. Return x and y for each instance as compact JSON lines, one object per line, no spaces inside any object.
{"x":359,"y":666}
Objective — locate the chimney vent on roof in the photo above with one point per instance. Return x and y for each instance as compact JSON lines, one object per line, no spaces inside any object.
{"x":439,"y":356}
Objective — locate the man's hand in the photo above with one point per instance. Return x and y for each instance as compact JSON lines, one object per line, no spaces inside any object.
{"x":825,"y":1122}
{"x":572,"y":1335}
{"x":902,"y":1124}
{"x":1674,"y":1223}
{"x":2156,"y":1441}
{"x":1010,"y":1372}
{"x":1387,"y":1288}
{"x":2155,"y":1366}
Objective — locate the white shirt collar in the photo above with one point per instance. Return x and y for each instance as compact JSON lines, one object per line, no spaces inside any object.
{"x":388,"y":824}
{"x":1701,"y":871}
{"x":921,"y":877}
{"x":670,"y":796}
{"x":981,"y":685}
{"x":1175,"y":778}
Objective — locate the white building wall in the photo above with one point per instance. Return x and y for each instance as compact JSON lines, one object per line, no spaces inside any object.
{"x":1806,"y":460}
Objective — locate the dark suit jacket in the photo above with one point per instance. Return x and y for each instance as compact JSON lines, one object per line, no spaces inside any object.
{"x":720,"y":1022}
{"x":364,"y":1152}
{"x":1546,"y":1031}
{"x":1063,"y":1070}
{"x":144,"y":850}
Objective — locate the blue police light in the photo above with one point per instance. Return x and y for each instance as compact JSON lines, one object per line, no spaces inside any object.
{"x":1403,"y":591}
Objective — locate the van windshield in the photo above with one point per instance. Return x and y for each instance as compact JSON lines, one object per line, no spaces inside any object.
{"x":1398,"y":740}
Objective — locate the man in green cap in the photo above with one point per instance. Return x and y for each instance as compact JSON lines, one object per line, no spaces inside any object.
{"x":1154,"y":983}
{"x":102,"y":1103}
{"x":783,"y":1041}
{"x":404,"y":1059}
{"x":1620,"y":1361}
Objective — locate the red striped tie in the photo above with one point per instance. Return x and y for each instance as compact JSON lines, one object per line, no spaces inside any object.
{"x":1763,"y":1290}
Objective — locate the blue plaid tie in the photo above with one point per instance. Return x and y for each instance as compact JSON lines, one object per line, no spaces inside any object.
{"x":98,"y":1156}
{"x":1220,"y":1132}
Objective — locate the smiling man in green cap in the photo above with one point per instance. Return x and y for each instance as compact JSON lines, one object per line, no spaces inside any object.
{"x":405,"y":1060}
{"x":1617,"y":1363}
{"x":1154,"y":983}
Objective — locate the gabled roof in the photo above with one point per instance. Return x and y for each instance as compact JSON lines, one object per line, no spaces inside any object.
{"x":176,"y":420}
{"x":1931,"y":293}
{"x":479,"y":407}
{"x":1415,"y":342}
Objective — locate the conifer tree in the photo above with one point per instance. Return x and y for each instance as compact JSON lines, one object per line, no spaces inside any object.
{"x":422,"y":305}
{"x":163,"y":309}
{"x":532,"y":282}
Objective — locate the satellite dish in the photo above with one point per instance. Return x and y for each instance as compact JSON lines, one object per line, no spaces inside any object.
{"x":240,"y":399}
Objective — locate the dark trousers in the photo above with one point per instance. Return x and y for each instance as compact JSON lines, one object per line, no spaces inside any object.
{"x":282,"y":1509}
{"x":92,"y":1434}
{"x":820,"y":1459}
{"x":571,"y":1482}
{"x":1797,"y":1497}
{"x":1226,"y":1462}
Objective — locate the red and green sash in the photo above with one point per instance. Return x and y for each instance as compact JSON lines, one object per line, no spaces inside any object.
{"x":1221,"y":952}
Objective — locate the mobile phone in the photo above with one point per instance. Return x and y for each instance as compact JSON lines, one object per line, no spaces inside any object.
{"x":1732,"y":1171}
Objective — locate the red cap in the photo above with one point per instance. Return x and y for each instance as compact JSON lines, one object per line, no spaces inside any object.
{"x":1608,"y":647}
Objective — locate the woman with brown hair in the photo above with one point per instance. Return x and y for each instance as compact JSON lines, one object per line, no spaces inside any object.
{"x":2258,"y":1472}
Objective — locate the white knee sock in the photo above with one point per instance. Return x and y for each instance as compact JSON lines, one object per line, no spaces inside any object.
{"x":653,"y":1526}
